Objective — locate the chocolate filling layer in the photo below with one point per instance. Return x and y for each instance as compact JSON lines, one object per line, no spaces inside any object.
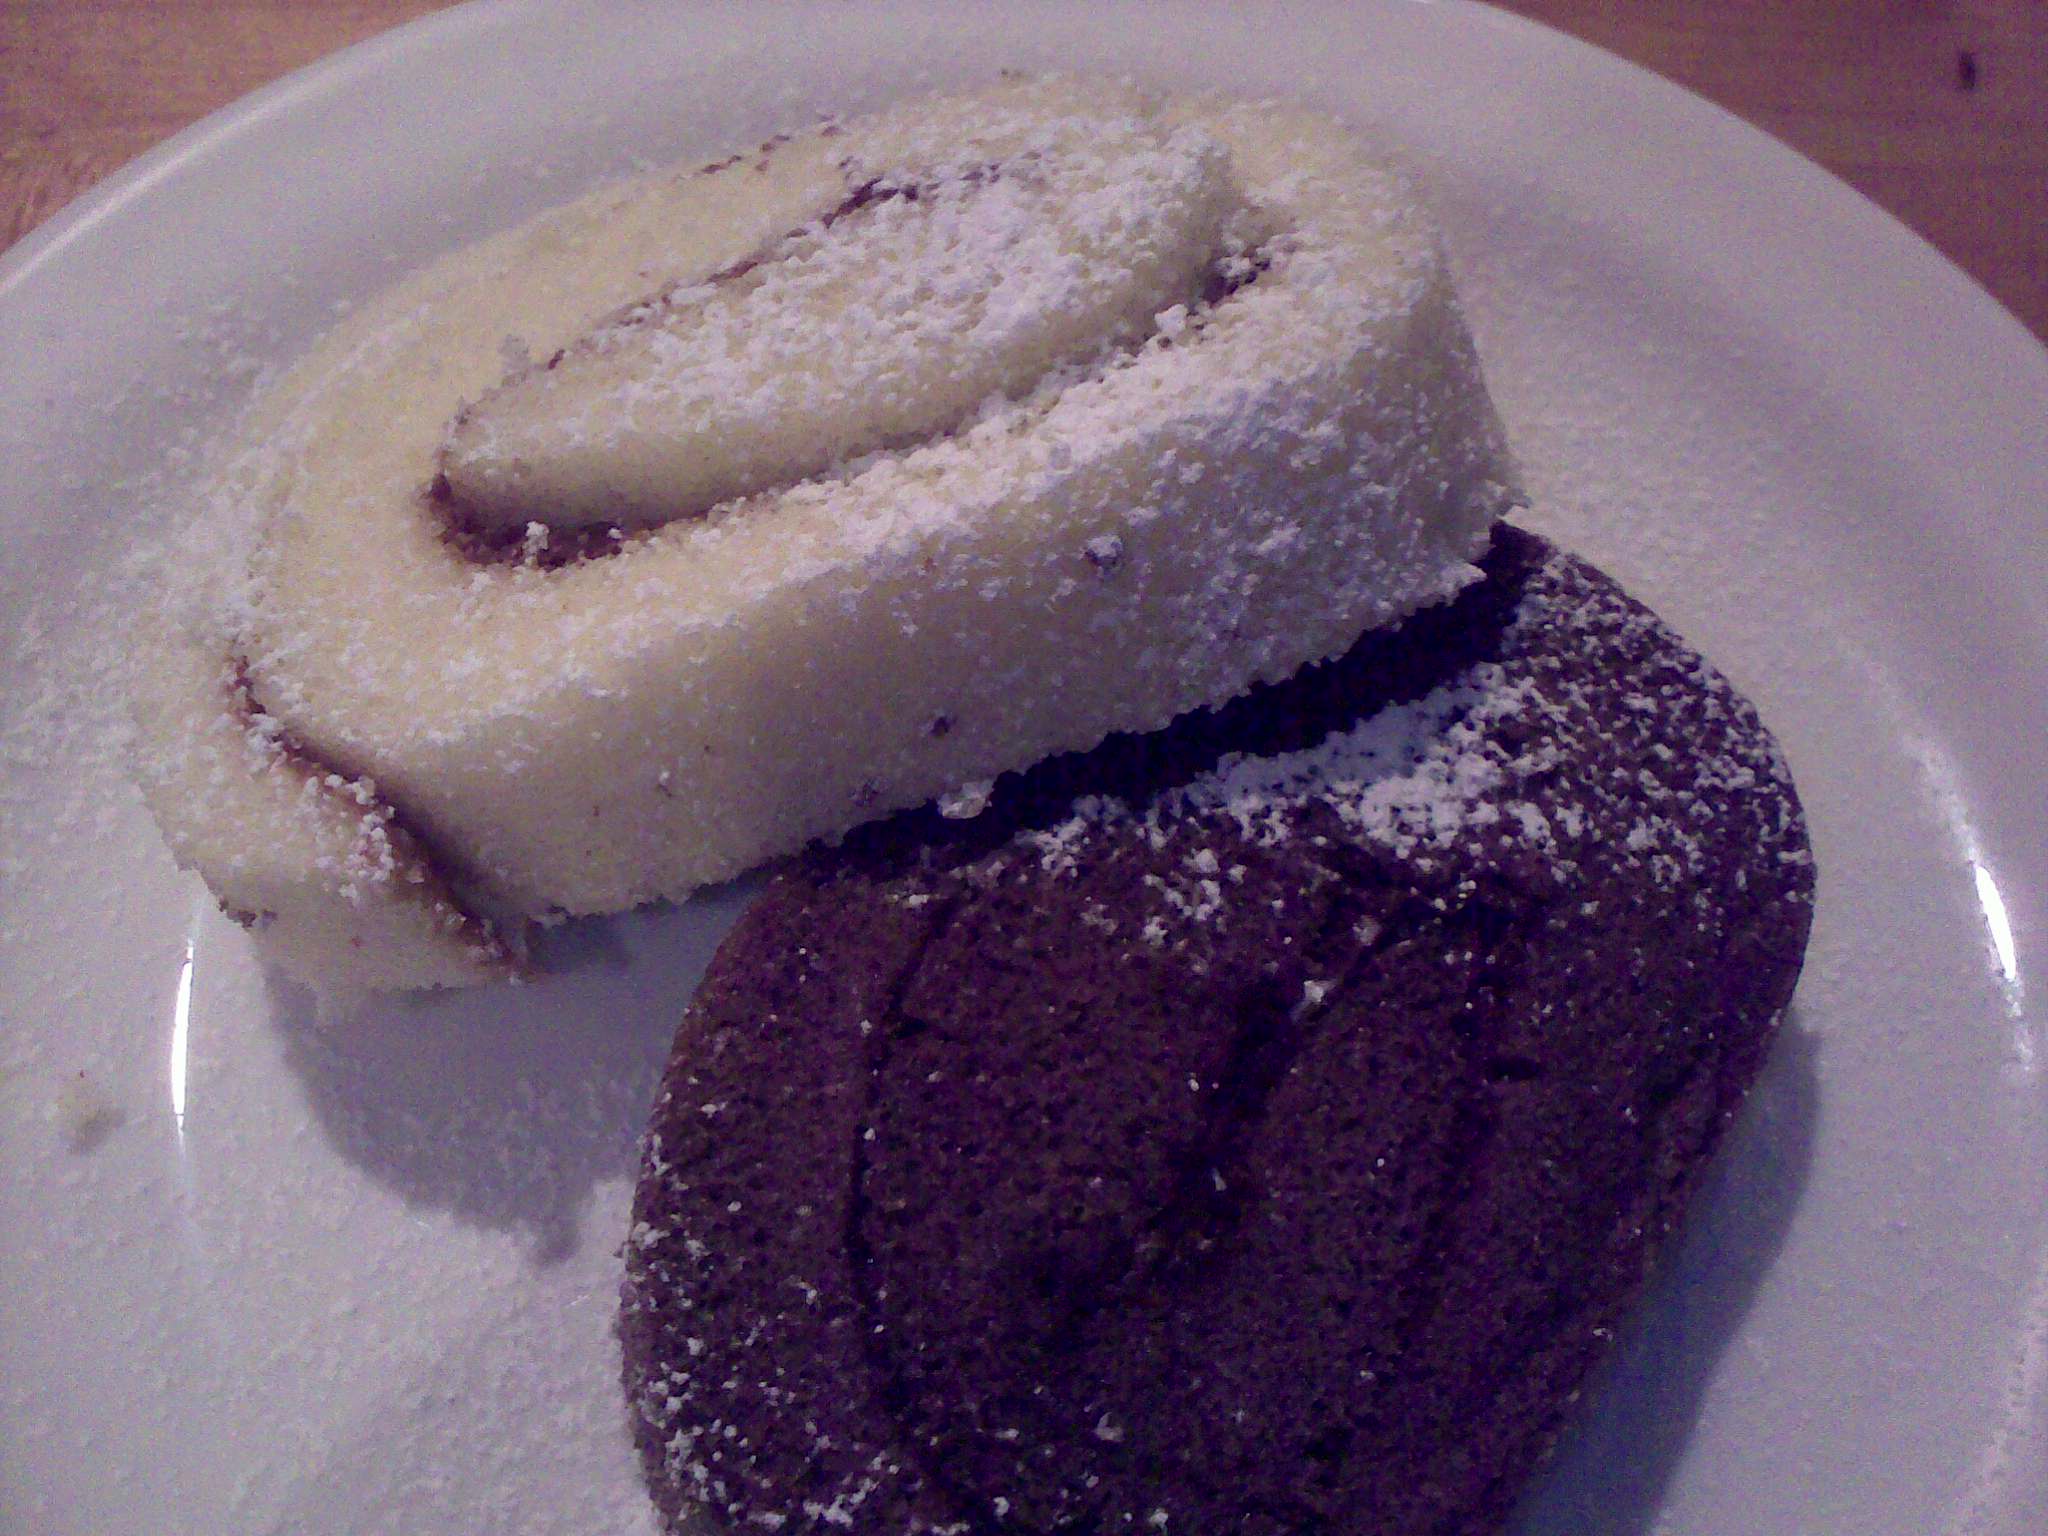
{"x":416,"y":859}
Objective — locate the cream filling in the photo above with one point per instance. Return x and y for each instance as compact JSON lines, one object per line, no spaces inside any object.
{"x":886,"y":321}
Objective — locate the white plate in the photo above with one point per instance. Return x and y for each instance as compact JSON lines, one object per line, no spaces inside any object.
{"x":358,"y":1277}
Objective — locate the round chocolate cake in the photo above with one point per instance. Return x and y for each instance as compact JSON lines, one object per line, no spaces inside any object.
{"x":1259,"y":1126}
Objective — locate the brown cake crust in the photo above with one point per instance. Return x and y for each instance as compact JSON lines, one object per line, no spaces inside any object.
{"x":1260,"y":1126}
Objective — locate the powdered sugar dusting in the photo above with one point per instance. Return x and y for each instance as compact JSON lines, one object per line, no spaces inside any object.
{"x":1533,"y":765}
{"x":1412,"y":776}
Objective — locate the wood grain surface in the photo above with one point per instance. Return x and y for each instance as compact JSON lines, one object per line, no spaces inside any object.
{"x":1936,"y":109}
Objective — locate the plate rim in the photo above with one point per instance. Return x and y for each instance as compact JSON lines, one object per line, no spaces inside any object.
{"x":145,"y":174}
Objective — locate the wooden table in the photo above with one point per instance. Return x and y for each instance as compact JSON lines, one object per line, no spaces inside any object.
{"x":1937,"y":109}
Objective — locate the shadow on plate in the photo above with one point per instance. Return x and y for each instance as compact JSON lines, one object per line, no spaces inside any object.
{"x":506,"y":1105}
{"x":1615,"y":1466}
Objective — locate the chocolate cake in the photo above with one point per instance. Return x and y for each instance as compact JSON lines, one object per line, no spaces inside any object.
{"x":1259,"y":1126}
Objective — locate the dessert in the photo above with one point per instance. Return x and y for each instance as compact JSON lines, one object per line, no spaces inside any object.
{"x":1258,"y":1126}
{"x":725,"y":510}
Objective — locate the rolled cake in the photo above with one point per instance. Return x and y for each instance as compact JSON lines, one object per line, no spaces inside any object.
{"x":1260,"y":1126}
{"x":727,"y":509}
